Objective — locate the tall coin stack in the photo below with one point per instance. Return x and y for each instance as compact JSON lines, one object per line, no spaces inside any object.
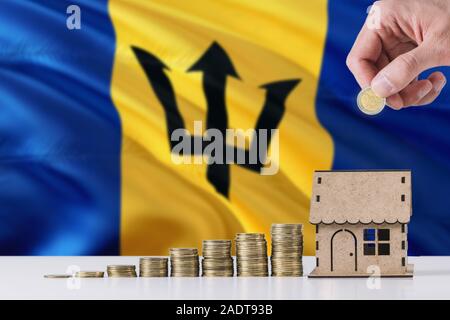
{"x":251,"y":255}
{"x":184,"y":262}
{"x":121,"y":271}
{"x":217,"y":260}
{"x":287,"y":250}
{"x":153,"y":267}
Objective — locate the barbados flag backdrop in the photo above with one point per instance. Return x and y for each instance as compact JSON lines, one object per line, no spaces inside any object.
{"x":85,"y":117}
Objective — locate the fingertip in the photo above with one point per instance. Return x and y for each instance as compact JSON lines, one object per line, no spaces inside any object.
{"x":438,"y":81}
{"x":395,"y":102}
{"x":442,"y":84}
{"x":382,"y":86}
{"x":399,"y":73}
{"x":437,"y":75}
{"x":415,"y":92}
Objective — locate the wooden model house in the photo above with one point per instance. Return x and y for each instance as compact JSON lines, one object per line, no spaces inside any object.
{"x":361,"y":222}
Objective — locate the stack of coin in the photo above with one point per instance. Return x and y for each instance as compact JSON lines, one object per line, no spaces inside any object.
{"x":153,"y":267}
{"x":287,"y":250}
{"x":89,"y":274}
{"x":217,"y":260}
{"x":184,"y":262}
{"x":119,"y":271}
{"x":251,"y":254}
{"x":57,"y":276}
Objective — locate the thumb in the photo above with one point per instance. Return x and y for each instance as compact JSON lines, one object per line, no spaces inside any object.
{"x":401,"y":71}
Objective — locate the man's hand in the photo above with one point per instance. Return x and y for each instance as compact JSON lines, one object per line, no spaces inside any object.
{"x":413,"y":36}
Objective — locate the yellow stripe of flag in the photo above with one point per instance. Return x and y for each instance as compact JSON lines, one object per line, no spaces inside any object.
{"x":167,"y":205}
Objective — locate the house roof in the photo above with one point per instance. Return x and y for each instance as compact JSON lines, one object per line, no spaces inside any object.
{"x":361,"y":197}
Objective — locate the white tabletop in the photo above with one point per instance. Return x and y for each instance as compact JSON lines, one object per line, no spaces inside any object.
{"x":22,"y":278}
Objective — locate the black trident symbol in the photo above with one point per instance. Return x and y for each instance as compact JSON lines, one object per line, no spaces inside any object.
{"x":216,"y":67}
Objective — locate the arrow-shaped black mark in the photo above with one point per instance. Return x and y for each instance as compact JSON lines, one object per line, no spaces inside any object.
{"x":160,"y":82}
{"x":270,"y":117}
{"x":216,"y":67}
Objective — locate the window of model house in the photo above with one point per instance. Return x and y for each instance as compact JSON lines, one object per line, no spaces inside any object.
{"x":376,"y":242}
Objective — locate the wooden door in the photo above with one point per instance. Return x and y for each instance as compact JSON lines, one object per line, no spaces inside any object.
{"x":343,"y":252}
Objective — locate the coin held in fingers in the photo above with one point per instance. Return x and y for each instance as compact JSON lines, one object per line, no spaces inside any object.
{"x":369,"y":103}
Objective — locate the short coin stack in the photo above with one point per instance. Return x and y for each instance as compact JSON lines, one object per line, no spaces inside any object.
{"x":287,"y":250}
{"x":251,"y":255}
{"x":217,"y":260}
{"x":153,"y":267}
{"x":57,"y":276}
{"x":121,"y":271}
{"x":184,"y":262}
{"x":89,"y":274}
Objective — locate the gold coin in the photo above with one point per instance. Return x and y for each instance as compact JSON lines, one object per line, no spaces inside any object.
{"x":121,"y":267}
{"x":251,"y":255}
{"x":287,"y":250}
{"x":369,"y":103}
{"x":116,"y":271}
{"x":89,"y":274}
{"x":153,"y":267}
{"x":217,"y":261}
{"x":57,"y":276}
{"x":184,"y":262}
